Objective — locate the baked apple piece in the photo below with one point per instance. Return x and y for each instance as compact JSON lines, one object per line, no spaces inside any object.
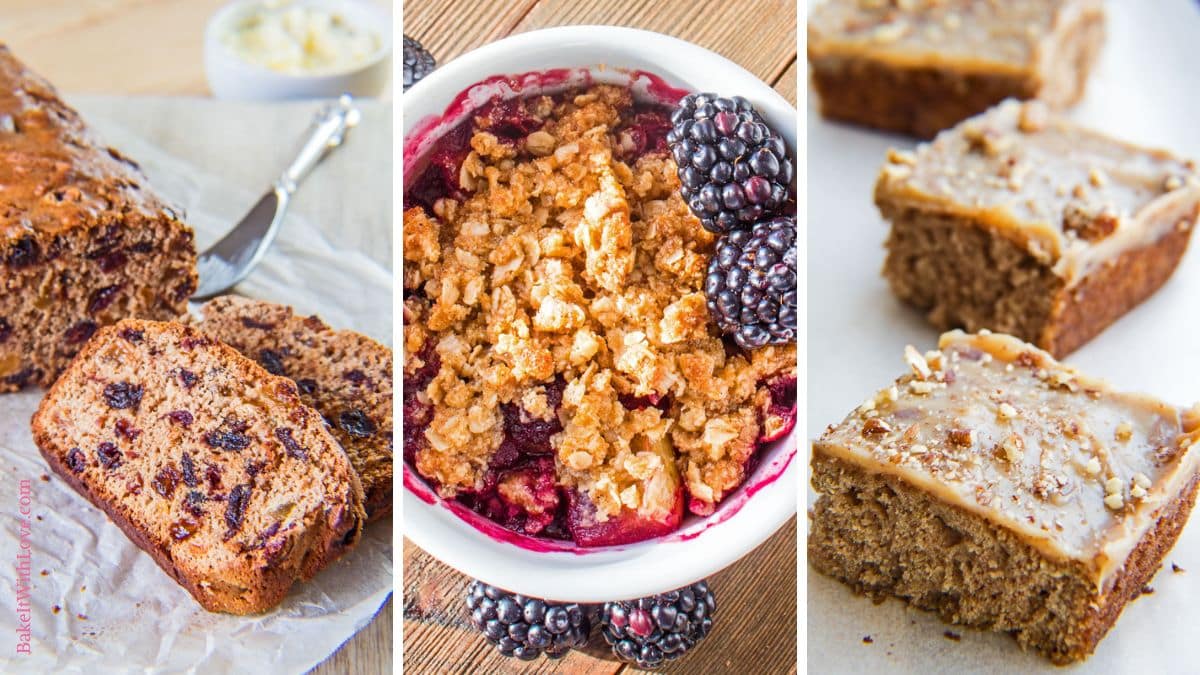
{"x":524,"y":499}
{"x":659,"y":513}
{"x":777,"y":405}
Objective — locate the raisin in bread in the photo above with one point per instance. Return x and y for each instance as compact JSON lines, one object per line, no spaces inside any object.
{"x":345,"y":376}
{"x":207,"y":462}
{"x":83,"y":241}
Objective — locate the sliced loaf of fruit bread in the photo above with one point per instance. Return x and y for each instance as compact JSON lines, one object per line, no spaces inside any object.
{"x":205,"y":460}
{"x":345,"y":376}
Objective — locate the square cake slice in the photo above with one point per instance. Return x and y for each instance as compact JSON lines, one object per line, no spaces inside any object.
{"x":345,"y":376}
{"x":1020,"y":222}
{"x":920,"y":66}
{"x":84,"y":241}
{"x":206,"y":461}
{"x":1004,"y":490}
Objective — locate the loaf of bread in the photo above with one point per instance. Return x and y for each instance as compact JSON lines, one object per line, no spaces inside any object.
{"x":1005,"y":491}
{"x":83,"y":241}
{"x":206,"y":461}
{"x":344,"y":375}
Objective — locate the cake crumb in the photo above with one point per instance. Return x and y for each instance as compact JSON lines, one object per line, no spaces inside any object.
{"x":921,"y":387}
{"x":951,"y":635}
{"x":1176,"y":569}
{"x":1124,"y":431}
{"x":55,"y":609}
{"x":867,"y":640}
{"x":917,"y":362}
{"x":45,"y":478}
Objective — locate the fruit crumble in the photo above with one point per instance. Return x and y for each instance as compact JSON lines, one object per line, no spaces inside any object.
{"x":563,"y":375}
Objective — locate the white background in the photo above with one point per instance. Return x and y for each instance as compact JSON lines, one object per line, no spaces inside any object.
{"x":1145,"y":89}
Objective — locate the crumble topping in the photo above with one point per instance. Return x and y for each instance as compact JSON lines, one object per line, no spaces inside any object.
{"x":569,"y":256}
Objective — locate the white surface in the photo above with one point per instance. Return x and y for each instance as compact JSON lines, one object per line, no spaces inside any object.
{"x":646,"y":567}
{"x":231,"y":77}
{"x":138,"y":619}
{"x":1146,"y":89}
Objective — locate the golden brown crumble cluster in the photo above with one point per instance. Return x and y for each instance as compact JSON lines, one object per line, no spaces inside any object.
{"x":564,"y":261}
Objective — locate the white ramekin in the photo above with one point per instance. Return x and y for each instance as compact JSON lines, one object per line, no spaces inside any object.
{"x":703,"y":545}
{"x":230,"y":77}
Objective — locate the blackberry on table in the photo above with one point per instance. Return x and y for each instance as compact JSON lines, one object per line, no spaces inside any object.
{"x":418,"y":62}
{"x":751,"y":284}
{"x":659,"y":628}
{"x":733,"y":169}
{"x":527,"y":627}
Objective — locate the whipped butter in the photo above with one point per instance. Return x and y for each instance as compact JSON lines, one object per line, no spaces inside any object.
{"x":298,"y":39}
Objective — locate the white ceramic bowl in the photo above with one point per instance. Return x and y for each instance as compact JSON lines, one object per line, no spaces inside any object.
{"x":481,"y":549}
{"x":231,"y":77}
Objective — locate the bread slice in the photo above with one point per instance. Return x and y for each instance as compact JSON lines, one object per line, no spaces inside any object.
{"x":206,"y":461}
{"x":1005,"y":491}
{"x":345,"y":376}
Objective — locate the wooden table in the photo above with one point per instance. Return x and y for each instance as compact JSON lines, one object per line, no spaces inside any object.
{"x":756,"y":615}
{"x":113,"y":46}
{"x":139,"y":47}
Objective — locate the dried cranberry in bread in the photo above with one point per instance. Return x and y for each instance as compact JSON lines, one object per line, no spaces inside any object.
{"x":206,"y":461}
{"x":83,"y":241}
{"x":344,"y":375}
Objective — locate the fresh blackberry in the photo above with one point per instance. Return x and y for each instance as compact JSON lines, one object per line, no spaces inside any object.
{"x":526,"y":627}
{"x":734,"y":170}
{"x":751,"y":284}
{"x":417,"y":62}
{"x":660,"y":628}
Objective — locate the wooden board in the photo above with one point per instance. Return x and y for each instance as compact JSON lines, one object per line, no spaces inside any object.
{"x":759,"y":35}
{"x":114,"y":46}
{"x":755,"y":624}
{"x":756,"y":596}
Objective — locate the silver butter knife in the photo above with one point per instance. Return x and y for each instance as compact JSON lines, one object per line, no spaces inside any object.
{"x":228,"y":261}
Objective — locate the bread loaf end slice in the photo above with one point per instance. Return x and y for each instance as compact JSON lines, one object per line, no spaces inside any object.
{"x":206,"y":461}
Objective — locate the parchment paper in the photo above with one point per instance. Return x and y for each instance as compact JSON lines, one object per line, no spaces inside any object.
{"x":137,"y":618}
{"x":1146,"y":89}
